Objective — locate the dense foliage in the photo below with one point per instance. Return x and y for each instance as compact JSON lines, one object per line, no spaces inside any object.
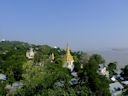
{"x":112,"y":67}
{"x":43,"y":76}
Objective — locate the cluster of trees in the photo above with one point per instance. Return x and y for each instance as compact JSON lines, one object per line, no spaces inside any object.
{"x":41,"y":77}
{"x":12,"y":56}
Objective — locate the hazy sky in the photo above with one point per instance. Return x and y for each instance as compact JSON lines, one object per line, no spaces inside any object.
{"x":84,"y":24}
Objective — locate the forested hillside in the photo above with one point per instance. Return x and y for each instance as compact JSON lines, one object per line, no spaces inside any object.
{"x":45,"y":76}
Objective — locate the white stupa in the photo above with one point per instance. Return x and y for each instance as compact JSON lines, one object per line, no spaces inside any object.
{"x":30,"y":54}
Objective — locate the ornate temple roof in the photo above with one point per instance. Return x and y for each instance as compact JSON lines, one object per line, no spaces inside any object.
{"x":68,"y":57}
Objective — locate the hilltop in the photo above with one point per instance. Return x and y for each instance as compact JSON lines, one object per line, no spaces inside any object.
{"x":44,"y":75}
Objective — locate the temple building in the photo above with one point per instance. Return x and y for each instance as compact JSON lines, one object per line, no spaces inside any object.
{"x":52,"y":57}
{"x":30,"y":54}
{"x":103,"y":70}
{"x":68,"y":60}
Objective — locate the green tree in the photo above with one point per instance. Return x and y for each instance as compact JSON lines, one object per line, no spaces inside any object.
{"x":125,"y":71}
{"x":99,"y":85}
{"x":111,"y":68}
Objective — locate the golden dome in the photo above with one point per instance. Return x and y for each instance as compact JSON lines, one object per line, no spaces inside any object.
{"x":68,"y":57}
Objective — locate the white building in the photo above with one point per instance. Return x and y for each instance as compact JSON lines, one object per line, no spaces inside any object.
{"x":12,"y":88}
{"x":102,"y":70}
{"x":125,"y":82}
{"x":3,"y":77}
{"x":113,"y":78}
{"x":116,"y":88}
{"x":30,"y":53}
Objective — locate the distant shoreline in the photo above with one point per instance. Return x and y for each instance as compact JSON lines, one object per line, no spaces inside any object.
{"x":117,"y":55}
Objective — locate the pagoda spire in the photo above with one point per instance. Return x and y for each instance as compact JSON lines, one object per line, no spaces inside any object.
{"x":68,"y":56}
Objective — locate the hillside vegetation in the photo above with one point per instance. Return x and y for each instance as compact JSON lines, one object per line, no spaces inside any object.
{"x":42,"y":76}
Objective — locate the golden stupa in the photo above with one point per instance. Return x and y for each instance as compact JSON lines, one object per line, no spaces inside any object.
{"x":68,"y":57}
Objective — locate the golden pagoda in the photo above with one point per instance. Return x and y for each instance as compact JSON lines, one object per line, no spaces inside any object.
{"x":68,"y":60}
{"x":68,"y":57}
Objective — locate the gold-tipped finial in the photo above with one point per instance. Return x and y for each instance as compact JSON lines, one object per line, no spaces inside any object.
{"x":68,"y":57}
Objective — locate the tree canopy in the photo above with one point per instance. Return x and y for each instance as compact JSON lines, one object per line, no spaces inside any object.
{"x":42,"y":76}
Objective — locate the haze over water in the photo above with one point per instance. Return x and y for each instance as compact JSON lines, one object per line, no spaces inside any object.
{"x":119,"y":56}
